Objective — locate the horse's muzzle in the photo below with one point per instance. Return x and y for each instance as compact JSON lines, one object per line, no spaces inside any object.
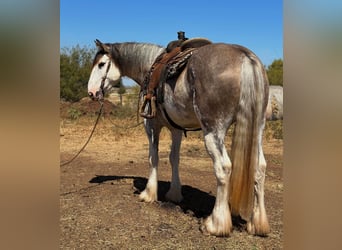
{"x":99,"y":95}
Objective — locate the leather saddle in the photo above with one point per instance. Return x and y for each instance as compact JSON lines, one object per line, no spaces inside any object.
{"x":169,"y":69}
{"x":175,"y":65}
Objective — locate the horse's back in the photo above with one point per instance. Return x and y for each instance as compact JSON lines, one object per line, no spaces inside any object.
{"x":217,"y":67}
{"x":221,"y":56}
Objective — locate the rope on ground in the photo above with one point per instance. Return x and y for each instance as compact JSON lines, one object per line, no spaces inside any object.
{"x":92,"y":132}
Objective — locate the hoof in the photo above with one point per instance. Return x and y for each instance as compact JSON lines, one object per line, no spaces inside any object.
{"x":174,"y":197}
{"x":217,"y":227}
{"x":258,"y":226}
{"x":148,"y":197}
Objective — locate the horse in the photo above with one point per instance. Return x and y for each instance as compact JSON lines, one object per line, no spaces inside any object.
{"x":221,"y":84}
{"x":274,"y":109}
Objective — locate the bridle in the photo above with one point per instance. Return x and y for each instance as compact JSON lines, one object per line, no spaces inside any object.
{"x":104,"y":79}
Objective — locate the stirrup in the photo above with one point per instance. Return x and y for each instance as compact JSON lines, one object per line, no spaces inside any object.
{"x":151,"y":109}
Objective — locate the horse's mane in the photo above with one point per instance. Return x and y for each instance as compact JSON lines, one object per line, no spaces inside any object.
{"x":137,"y":57}
{"x":134,"y":52}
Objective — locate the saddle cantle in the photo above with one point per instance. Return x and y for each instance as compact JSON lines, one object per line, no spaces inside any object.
{"x":194,"y":43}
{"x":176,"y":64}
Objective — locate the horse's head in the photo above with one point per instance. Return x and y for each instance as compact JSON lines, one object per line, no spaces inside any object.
{"x":105,"y":72}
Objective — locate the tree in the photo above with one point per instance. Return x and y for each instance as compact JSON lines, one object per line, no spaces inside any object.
{"x":75,"y":68}
{"x":275,"y":72}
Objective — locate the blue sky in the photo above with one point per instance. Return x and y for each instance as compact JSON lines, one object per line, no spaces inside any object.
{"x":255,"y":24}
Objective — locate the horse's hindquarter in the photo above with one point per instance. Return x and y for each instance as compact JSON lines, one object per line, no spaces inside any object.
{"x":178,"y":103}
{"x":215,"y":72}
{"x":208,"y":90}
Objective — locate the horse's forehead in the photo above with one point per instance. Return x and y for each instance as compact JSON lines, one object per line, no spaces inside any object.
{"x":100,"y":56}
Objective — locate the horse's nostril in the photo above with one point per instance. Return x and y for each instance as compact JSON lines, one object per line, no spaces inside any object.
{"x":90,"y":94}
{"x":99,"y":95}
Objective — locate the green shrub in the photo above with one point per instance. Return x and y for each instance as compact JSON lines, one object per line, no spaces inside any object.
{"x":74,"y":113}
{"x":125,"y":111}
{"x":274,"y":129}
{"x":75,"y":68}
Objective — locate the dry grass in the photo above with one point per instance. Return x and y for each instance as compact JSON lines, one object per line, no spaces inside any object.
{"x":99,"y":207}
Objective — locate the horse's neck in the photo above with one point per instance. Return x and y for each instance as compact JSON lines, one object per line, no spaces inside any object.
{"x":136,"y":59}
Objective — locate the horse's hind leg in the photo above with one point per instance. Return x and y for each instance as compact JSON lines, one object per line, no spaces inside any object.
{"x":175,"y":192}
{"x":150,"y":193}
{"x":259,"y":223}
{"x":219,"y":223}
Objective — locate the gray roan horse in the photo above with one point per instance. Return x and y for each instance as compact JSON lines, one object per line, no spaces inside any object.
{"x":221,"y":84}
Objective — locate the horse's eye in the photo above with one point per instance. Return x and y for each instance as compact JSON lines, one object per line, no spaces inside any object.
{"x":101,"y":65}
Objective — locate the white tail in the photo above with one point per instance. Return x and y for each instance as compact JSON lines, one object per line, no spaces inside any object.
{"x":245,"y":147}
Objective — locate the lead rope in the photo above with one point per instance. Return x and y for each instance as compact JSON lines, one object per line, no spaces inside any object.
{"x":97,"y":119}
{"x":137,"y":116}
{"x":91,"y":134}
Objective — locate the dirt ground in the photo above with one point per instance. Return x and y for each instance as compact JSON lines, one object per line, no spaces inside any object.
{"x":99,"y":206}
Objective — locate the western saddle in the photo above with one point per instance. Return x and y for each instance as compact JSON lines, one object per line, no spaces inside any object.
{"x":167,"y":65}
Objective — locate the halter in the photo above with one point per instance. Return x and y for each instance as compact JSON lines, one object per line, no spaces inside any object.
{"x":104,"y":79}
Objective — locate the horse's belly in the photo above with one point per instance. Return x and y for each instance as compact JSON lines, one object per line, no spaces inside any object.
{"x":179,"y":107}
{"x":182,"y":117}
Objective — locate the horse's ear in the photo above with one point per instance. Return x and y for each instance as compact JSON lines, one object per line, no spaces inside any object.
{"x":98,"y":44}
{"x":102,"y":46}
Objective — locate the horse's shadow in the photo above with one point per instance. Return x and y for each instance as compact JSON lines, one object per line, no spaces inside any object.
{"x":195,"y":201}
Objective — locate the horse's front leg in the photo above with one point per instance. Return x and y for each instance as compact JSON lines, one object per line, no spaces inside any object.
{"x":150,"y":194}
{"x":175,"y":192}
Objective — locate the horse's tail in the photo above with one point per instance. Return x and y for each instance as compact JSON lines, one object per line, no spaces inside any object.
{"x":245,"y":150}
